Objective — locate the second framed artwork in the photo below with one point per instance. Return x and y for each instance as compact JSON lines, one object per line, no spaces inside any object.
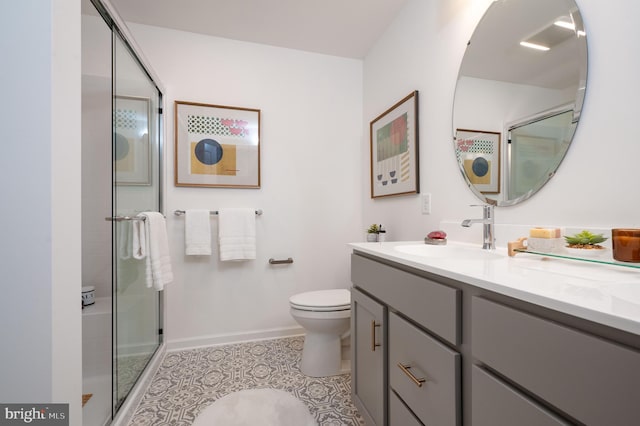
{"x":478,"y":154}
{"x":394,"y":150}
{"x":216,"y":146}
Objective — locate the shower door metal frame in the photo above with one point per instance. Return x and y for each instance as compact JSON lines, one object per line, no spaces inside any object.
{"x":119,"y":29}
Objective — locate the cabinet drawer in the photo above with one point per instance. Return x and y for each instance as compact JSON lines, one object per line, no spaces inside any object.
{"x":494,"y":403}
{"x":399,"y":414}
{"x":436,"y":400}
{"x":590,"y":379}
{"x":433,"y":305}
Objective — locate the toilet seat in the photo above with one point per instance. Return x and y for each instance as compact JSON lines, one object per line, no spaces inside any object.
{"x":322,"y":300}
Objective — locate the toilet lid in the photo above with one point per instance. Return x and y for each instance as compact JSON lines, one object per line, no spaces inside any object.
{"x":322,"y":300}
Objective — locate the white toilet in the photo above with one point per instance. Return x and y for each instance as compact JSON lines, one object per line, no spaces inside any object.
{"x":325,"y":315}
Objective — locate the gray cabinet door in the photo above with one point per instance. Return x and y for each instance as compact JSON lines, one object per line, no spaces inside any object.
{"x":367,"y":357}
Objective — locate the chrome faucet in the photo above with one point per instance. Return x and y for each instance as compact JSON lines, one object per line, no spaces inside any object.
{"x":488,"y":238}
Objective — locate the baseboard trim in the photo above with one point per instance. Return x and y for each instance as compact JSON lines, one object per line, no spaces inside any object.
{"x":225,"y":339}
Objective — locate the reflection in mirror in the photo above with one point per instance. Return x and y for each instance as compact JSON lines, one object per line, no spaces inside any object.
{"x":536,"y":149}
{"x":520,"y":87}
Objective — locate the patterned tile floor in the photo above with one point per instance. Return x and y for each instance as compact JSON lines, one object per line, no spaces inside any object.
{"x":188,"y":381}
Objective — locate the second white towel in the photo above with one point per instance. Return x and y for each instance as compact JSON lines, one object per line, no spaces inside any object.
{"x":197,"y":232}
{"x":237,"y":234}
{"x":151,"y":243}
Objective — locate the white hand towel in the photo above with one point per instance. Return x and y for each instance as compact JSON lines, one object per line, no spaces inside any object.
{"x":139,"y":240}
{"x":125,"y":239}
{"x":237,"y":234}
{"x":197,"y":232}
{"x":158,"y":261}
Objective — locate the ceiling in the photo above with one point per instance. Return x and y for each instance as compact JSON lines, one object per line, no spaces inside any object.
{"x":346,"y":28}
{"x":349,"y":28}
{"x":497,"y":54}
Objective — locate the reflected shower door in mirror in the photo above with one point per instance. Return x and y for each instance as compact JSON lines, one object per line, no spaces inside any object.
{"x":523,"y":77}
{"x":536,"y":148}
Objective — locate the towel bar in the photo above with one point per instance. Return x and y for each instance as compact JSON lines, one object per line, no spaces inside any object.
{"x":280,"y":262}
{"x":212,"y":212}
{"x":123,"y":218}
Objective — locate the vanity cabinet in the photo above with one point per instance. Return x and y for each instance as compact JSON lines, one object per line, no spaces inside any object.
{"x":593,"y":380}
{"x":421,"y":373}
{"x":457,"y":354}
{"x":368,"y":331}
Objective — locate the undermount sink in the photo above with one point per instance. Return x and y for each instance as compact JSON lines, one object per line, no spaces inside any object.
{"x":448,"y":252}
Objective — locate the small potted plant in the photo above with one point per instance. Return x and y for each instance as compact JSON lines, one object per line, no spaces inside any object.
{"x":372,"y":233}
{"x":585,"y":243}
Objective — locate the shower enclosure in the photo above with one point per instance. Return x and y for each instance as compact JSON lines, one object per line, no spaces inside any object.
{"x":121,"y":156}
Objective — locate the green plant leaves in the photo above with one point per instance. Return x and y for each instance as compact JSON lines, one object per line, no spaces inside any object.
{"x":585,"y":237}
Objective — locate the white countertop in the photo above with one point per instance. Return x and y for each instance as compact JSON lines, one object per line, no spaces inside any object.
{"x":605,"y":294}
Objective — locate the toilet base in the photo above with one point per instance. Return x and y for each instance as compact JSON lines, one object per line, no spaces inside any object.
{"x":321,"y":355}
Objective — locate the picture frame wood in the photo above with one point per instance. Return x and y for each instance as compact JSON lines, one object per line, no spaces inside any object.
{"x":216,"y":146}
{"x":394,"y":145}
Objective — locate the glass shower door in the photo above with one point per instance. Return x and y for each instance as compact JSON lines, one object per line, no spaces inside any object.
{"x":136,"y":188}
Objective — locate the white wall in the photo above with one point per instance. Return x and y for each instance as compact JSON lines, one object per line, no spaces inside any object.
{"x":596,"y":185}
{"x":311,"y":110}
{"x":96,"y":184}
{"x":66,"y":330}
{"x":503,"y":102}
{"x":22,"y":281}
{"x":40,"y":192}
{"x":96,"y":154}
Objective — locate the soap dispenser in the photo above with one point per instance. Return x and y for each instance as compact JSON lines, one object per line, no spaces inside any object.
{"x":382,"y":234}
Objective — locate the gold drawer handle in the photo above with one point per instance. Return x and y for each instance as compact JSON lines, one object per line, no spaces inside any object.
{"x":374,"y":345}
{"x":405,"y":370}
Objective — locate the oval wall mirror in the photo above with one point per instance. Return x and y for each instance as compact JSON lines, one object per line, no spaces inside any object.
{"x":518,"y":97}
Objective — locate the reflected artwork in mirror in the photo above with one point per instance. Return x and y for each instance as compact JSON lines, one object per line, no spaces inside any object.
{"x":522,"y":81}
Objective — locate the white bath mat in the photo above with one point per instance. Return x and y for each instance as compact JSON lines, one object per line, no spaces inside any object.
{"x":264,"y":407}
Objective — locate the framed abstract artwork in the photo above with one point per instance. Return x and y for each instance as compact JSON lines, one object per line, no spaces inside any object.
{"x":216,"y":146}
{"x":394,"y":150}
{"x":132,"y":150}
{"x":478,"y":153}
